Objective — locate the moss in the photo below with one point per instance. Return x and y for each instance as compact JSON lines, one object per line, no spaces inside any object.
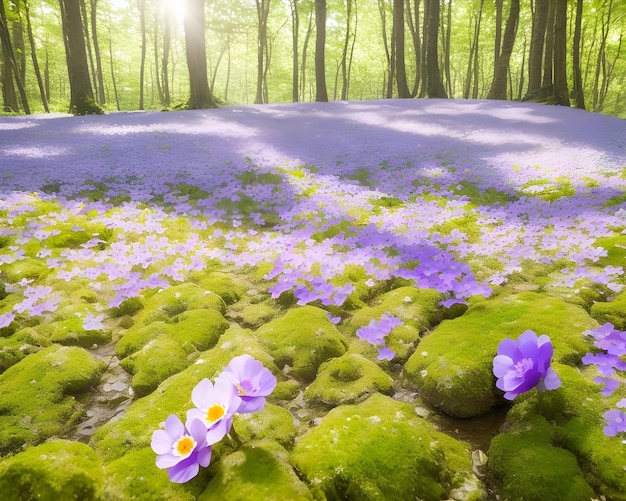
{"x":452,"y":366}
{"x":255,"y":315}
{"x":175,"y":300}
{"x":303,"y":339}
{"x":56,"y":470}
{"x":616,"y":250}
{"x":71,"y":332}
{"x":381,"y":449}
{"x":29,"y":267}
{"x":128,"y":307}
{"x":346,"y":379}
{"x":221,"y":284}
{"x":482,"y":196}
{"x":272,"y":422}
{"x":37,"y":395}
{"x":138,"y":336}
{"x":614,"y":312}
{"x":136,"y":476}
{"x":260,"y":470}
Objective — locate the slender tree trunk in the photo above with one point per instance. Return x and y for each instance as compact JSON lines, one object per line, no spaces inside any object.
{"x":414,"y":28}
{"x":472,"y":63}
{"x":434,"y":87}
{"x":295,"y":28}
{"x":96,"y":48}
{"x":9,"y":96}
{"x":19,"y":47}
{"x":548,"y":55}
{"x":579,"y":91}
{"x":81,"y":94}
{"x":321,"y":94}
{"x":398,"y":36}
{"x":498,"y":86}
{"x":344,"y":54}
{"x":535,"y":57}
{"x":33,"y":54}
{"x":305,"y":47}
{"x":195,"y":44}
{"x":155,"y":44}
{"x":389,"y":51}
{"x":561,"y":92}
{"x":262,"y":10}
{"x":498,"y":35}
{"x":142,"y":65}
{"x":447,"y":49}
{"x":113,"y":80}
{"x":165,"y":77}
{"x":608,"y":74}
{"x":92,"y":74}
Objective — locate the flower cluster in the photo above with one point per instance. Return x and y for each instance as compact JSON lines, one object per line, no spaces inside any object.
{"x":241,"y":388}
{"x":612,"y":345}
{"x":525,"y":364}
{"x":375,"y":332}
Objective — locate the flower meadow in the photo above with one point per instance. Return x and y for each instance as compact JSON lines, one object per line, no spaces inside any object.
{"x":313,"y":274}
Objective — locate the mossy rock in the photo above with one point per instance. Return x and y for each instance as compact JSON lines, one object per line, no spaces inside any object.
{"x":136,"y":476}
{"x":221,"y":284}
{"x":452,"y":366}
{"x":259,"y":470}
{"x":569,"y":417}
{"x":346,"y":379}
{"x":29,"y":267}
{"x":271,"y":422}
{"x":198,"y":330}
{"x":416,"y":307}
{"x":21,"y":343}
{"x":614,"y":312}
{"x":303,"y":339}
{"x":38,"y":395}
{"x":72,"y":332}
{"x":53,"y":471}
{"x":134,"y":429}
{"x":381,"y":449}
{"x":129,"y":307}
{"x":187,"y":296}
{"x":138,"y":336}
{"x":255,"y":315}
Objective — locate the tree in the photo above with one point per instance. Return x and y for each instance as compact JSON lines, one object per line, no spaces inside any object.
{"x":321,"y":94}
{"x":262,"y":10}
{"x":141,"y":5}
{"x":433,"y":84}
{"x":398,"y":37}
{"x":195,"y":49}
{"x":295,"y":29}
{"x":81,"y":94}
{"x":535,"y":57}
{"x":33,"y":53}
{"x":96,"y":48}
{"x":579,"y":93}
{"x":498,"y":85}
{"x":561,"y":93}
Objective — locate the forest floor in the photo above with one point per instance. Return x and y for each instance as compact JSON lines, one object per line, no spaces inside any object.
{"x":118,"y":232}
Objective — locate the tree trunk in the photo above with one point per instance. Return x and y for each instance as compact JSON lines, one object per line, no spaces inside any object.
{"x":85,"y":23}
{"x":398,"y":35}
{"x":305,"y":48}
{"x":141,"y":4}
{"x":96,"y":49}
{"x":344,"y":54}
{"x":498,"y":36}
{"x":81,"y":94}
{"x":19,"y":47}
{"x":321,"y":94}
{"x":434,"y":87}
{"x":262,"y":10}
{"x":295,"y":72}
{"x":117,"y":96}
{"x":498,"y":86}
{"x":9,"y":96}
{"x":165,"y":78}
{"x":389,"y":53}
{"x":535,"y":57}
{"x":195,"y":43}
{"x":473,"y":55}
{"x":561,"y":93}
{"x":548,"y":55}
{"x":33,"y":53}
{"x":446,"y":63}
{"x":579,"y":91}
{"x":414,"y":28}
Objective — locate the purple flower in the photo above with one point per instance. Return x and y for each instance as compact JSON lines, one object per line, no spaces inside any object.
{"x":252,"y":380}
{"x":616,"y":422}
{"x":524,"y":364}
{"x":181,"y":449}
{"x":215,"y":407}
{"x":385,"y":353}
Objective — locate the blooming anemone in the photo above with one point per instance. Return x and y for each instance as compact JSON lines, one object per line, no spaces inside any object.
{"x":525,"y":364}
{"x":181,"y":449}
{"x":215,"y":407}
{"x":252,"y":380}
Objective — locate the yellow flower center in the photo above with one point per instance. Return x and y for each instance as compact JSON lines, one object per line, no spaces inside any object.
{"x":215,"y":413}
{"x":184,"y":446}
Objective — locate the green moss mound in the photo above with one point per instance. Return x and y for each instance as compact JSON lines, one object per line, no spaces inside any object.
{"x":54,"y":471}
{"x":260,"y":470}
{"x":614,"y":312}
{"x":452,"y":366}
{"x":271,"y":422}
{"x":38,"y":395}
{"x":303,"y":339}
{"x":381,"y":449}
{"x":346,"y":379}
{"x":71,"y":332}
{"x":20,"y":344}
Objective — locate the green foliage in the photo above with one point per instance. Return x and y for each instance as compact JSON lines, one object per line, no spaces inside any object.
{"x":87,"y":106}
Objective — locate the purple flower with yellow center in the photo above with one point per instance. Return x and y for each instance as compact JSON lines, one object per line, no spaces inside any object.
{"x":252,"y":380}
{"x":525,"y":364}
{"x":215,"y":407}
{"x":181,"y":449}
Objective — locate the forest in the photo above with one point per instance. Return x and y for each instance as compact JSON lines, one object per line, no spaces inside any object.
{"x":91,"y":56}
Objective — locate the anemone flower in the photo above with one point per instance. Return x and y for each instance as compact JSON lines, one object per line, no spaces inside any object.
{"x":253,"y":381}
{"x":525,"y":364}
{"x":181,"y":449}
{"x":215,"y":407}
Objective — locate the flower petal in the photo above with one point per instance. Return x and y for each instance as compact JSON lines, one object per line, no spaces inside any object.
{"x":184,"y":471}
{"x":161,"y":442}
{"x":502,"y":365}
{"x":551,"y":379}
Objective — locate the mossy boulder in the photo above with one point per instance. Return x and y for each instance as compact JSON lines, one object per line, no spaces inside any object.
{"x":560,"y":449}
{"x":20,"y":344}
{"x":53,"y":471}
{"x":28,"y":267}
{"x":271,"y":422}
{"x":187,"y":296}
{"x":452,"y":366}
{"x":613,"y":311}
{"x":302,"y":339}
{"x":259,"y":470}
{"x":72,"y":332}
{"x":38,"y":395}
{"x":381,"y":449}
{"x":221,"y":284}
{"x":346,"y":379}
